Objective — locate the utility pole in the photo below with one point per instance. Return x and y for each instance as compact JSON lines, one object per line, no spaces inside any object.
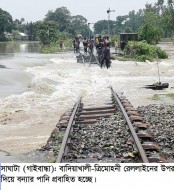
{"x":108,"y":11}
{"x":89,"y":28}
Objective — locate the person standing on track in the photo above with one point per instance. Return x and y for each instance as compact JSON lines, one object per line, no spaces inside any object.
{"x":106,"y":56}
{"x":85,"y":44}
{"x":76,"y":45}
{"x":99,"y":48}
{"x":90,"y":46}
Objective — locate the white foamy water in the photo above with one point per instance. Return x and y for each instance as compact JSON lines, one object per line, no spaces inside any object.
{"x":54,"y":83}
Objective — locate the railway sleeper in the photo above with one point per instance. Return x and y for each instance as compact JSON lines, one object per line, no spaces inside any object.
{"x":129,"y":108}
{"x":84,"y":117}
{"x":127,"y":104}
{"x":156,"y":158}
{"x":150,"y":146}
{"x":140,"y":125}
{"x":134,"y":118}
{"x":62,"y":125}
{"x":144,"y":135}
{"x":124,"y":101}
{"x":129,"y":113}
{"x":99,"y":108}
{"x":87,"y":122}
{"x":96,"y":112}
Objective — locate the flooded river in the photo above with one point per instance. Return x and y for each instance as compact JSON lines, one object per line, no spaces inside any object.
{"x":36,"y":89}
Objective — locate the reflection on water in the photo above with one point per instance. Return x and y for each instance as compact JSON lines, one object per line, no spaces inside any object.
{"x":19,"y":47}
{"x":14,"y":59}
{"x":23,"y":48}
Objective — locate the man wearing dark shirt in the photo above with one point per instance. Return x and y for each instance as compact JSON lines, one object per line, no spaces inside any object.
{"x":106,"y":56}
{"x":85,"y":44}
{"x":99,"y":48}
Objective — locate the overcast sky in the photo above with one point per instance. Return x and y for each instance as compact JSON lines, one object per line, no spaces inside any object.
{"x":92,"y":10}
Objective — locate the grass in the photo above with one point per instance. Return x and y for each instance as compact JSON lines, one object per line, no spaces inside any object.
{"x":121,"y":58}
{"x":53,"y":160}
{"x":58,"y":136}
{"x":171,"y":95}
{"x":155,"y":97}
{"x":57,"y":148}
{"x":166,"y":40}
{"x":55,"y":47}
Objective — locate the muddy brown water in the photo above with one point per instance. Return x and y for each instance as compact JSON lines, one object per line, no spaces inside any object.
{"x":36,"y":89}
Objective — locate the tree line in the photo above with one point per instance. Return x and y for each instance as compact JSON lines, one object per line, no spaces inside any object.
{"x":56,"y":24}
{"x":153,"y":22}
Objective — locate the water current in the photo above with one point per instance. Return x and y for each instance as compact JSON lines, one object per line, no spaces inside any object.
{"x":36,"y":89}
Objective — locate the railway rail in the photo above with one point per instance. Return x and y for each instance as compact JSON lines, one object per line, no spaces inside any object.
{"x":111,"y":133}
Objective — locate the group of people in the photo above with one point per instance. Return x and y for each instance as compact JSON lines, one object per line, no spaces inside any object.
{"x":88,"y":45}
{"x":103,"y":50}
{"x":101,"y":44}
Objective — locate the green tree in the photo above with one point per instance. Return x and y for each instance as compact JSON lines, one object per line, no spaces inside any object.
{"x":31,"y":30}
{"x":134,"y":20}
{"x":150,"y":29}
{"x":101,"y":27}
{"x":170,"y":2}
{"x":168,"y":18}
{"x":120,"y":21}
{"x":79,"y":24}
{"x":160,"y":4}
{"x":6,"y":23}
{"x":61,"y":16}
{"x":22,"y":20}
{"x":20,"y":25}
{"x":47,"y":31}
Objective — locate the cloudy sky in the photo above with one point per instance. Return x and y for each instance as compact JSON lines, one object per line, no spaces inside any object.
{"x":92,"y":10}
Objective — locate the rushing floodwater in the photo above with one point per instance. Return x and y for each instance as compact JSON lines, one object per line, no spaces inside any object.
{"x":36,"y":89}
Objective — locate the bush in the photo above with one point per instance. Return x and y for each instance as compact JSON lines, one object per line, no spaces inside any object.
{"x":142,"y":51}
{"x":54,"y":47}
{"x":143,"y":58}
{"x":161,"y":54}
{"x":114,"y":39}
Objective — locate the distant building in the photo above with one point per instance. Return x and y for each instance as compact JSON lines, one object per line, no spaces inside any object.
{"x":8,"y":35}
{"x":22,"y":36}
{"x":125,"y":37}
{"x":129,"y":36}
{"x":17,"y":36}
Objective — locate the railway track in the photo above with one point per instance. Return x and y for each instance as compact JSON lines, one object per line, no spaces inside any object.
{"x":111,"y":133}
